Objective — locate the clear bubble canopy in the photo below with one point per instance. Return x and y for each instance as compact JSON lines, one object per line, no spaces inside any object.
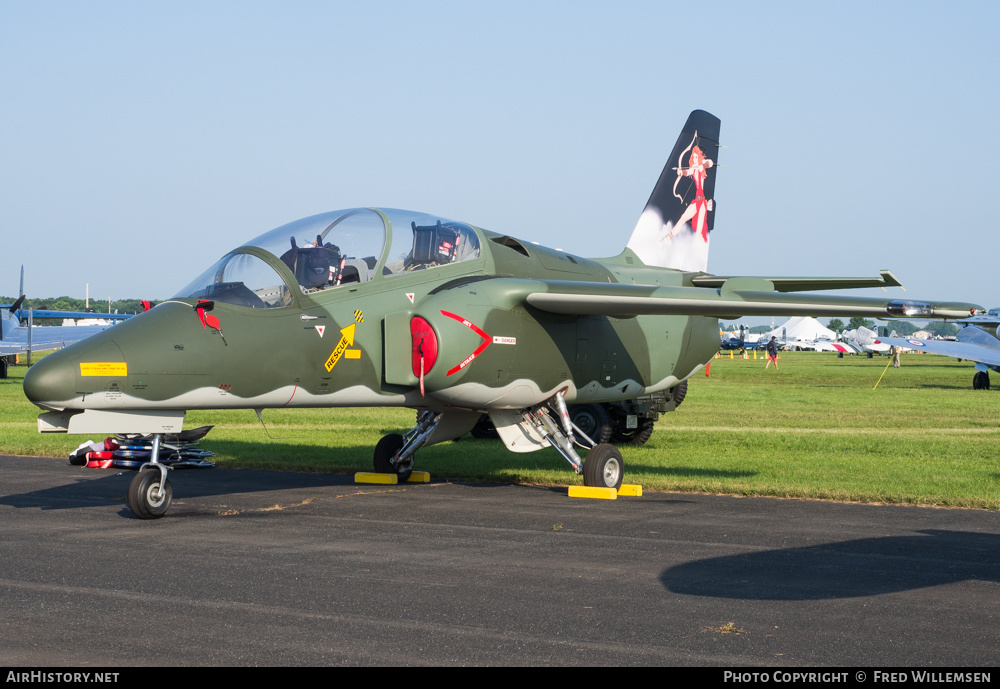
{"x":333,"y":249}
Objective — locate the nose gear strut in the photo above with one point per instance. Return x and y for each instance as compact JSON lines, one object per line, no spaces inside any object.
{"x":150,"y":493}
{"x":394,"y":452}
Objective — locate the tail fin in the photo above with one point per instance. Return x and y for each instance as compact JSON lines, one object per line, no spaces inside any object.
{"x":673,"y":230}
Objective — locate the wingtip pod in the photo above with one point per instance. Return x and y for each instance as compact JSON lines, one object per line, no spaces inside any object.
{"x":922,"y":309}
{"x":673,"y":230}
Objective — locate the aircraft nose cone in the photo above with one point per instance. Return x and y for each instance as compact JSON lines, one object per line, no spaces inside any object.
{"x":69,"y":378}
{"x":49,"y":383}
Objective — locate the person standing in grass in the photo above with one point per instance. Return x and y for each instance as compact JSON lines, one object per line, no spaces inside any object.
{"x":772,"y":353}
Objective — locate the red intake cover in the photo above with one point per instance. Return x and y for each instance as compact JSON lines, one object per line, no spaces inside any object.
{"x":424,"y":342}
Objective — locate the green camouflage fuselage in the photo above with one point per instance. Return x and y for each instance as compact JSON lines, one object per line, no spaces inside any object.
{"x":351,"y":345}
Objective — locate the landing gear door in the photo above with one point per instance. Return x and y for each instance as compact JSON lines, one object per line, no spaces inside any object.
{"x":517,"y":434}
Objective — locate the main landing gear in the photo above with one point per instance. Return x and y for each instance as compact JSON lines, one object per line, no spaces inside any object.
{"x":603,"y":467}
{"x":548,"y":423}
{"x":981,"y":381}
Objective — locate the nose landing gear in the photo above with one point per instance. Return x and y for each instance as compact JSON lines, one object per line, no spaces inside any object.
{"x":150,"y":493}
{"x":394,"y":452}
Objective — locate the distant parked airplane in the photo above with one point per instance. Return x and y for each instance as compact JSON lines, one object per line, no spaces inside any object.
{"x":975,"y":342}
{"x":16,"y":338}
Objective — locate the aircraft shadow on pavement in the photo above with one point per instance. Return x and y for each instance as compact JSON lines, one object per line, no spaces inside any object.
{"x":100,"y":487}
{"x":848,"y":569}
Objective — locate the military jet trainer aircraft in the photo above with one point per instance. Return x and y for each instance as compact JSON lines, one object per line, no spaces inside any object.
{"x":377,"y":307}
{"x":976,"y":343}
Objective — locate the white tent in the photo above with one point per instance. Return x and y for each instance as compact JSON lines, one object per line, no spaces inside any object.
{"x":801,"y":329}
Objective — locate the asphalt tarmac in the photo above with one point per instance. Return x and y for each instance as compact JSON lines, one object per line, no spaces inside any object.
{"x":267,"y":568}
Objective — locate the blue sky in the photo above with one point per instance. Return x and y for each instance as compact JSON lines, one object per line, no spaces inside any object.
{"x":141,"y":141}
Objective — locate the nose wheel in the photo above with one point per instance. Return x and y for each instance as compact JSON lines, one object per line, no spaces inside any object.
{"x":386,"y":459}
{"x":150,"y":494}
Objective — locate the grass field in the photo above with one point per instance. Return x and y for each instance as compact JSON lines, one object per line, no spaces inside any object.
{"x":813,"y":429}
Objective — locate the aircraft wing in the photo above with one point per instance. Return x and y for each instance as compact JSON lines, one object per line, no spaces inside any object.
{"x":46,"y":337}
{"x":737,"y":296}
{"x":45,"y":313}
{"x":973,"y":345}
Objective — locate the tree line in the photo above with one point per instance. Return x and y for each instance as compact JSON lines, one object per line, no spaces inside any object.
{"x":64,"y":303}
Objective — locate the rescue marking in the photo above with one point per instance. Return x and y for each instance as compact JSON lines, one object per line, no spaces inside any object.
{"x":476,"y":329}
{"x":104,"y":368}
{"x":410,"y":295}
{"x":320,"y":329}
{"x":359,"y":317}
{"x":346,"y":340}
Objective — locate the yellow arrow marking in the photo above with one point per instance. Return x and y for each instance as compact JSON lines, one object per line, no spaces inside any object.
{"x":346,"y":340}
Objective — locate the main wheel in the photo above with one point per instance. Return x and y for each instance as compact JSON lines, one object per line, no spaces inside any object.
{"x":634,"y":436}
{"x":385,"y":450}
{"x":981,"y":381}
{"x":142,"y":495}
{"x":593,"y":420}
{"x":603,"y":467}
{"x":484,"y":429}
{"x":679,"y":392}
{"x":3,"y":367}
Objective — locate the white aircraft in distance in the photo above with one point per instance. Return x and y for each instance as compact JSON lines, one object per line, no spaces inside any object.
{"x":806,"y":334}
{"x":865,"y":340}
{"x":831,"y":346}
{"x":975,"y":342}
